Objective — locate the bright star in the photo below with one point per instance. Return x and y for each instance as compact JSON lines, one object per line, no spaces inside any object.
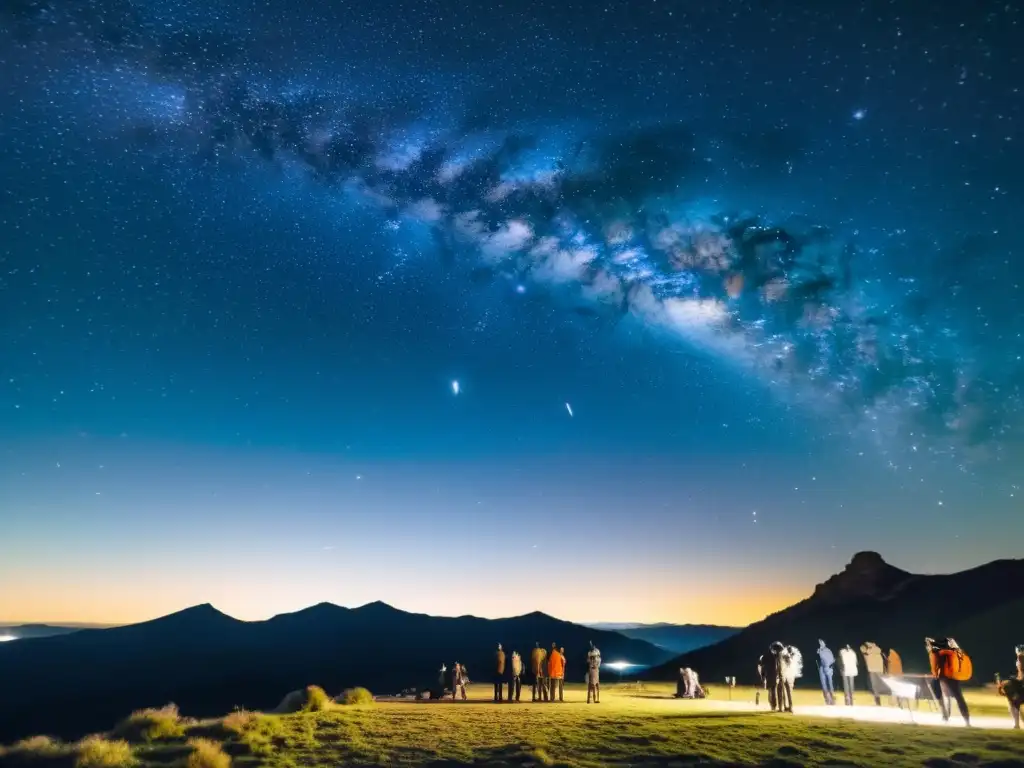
{"x":860,"y":114}
{"x":455,"y":387}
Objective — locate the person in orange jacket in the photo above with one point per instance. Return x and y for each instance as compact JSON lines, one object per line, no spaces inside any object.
{"x":556,"y":673}
{"x":946,"y":657}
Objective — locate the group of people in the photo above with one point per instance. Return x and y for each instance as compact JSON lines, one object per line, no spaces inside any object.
{"x":949,"y":665}
{"x":547,"y":675}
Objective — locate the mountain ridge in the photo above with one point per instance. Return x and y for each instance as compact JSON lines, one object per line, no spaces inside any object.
{"x":208,"y":662}
{"x":873,"y":600}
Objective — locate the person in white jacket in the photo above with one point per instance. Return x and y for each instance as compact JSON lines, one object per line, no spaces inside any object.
{"x":848,"y":669}
{"x":593,"y":675}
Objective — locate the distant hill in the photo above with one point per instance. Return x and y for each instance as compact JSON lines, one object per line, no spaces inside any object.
{"x":872,"y":600}
{"x":26,"y":631}
{"x":208,"y":663}
{"x":678,"y":638}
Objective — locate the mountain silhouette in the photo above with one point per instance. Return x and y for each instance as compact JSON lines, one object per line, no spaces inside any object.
{"x":208,"y":662}
{"x":677,"y":638}
{"x":871,"y":600}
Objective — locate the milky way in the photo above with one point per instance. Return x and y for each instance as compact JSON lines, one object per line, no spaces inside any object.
{"x":602,"y":216}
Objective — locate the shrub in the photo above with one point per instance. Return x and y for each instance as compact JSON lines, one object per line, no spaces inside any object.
{"x":239,"y":721}
{"x":207,"y":754}
{"x":97,"y":752}
{"x":312,"y":699}
{"x":152,"y":725}
{"x":317,"y":699}
{"x":355,"y":697}
{"x":38,"y":747}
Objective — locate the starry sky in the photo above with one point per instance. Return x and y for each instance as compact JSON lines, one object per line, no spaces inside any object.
{"x":625,"y":311}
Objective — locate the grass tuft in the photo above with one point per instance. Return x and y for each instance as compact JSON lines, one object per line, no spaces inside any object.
{"x":207,"y":753}
{"x":355,"y":697}
{"x":37,"y":747}
{"x":98,"y":752}
{"x":152,"y":725}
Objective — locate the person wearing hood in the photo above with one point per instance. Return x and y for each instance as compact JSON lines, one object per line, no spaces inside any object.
{"x":594,"y":674}
{"x":875,"y":666}
{"x":826,"y":665}
{"x":538,"y":668}
{"x":848,"y":669}
{"x":499,"y":673}
{"x":515,"y":677}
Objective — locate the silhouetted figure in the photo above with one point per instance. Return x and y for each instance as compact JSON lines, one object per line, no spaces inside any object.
{"x":768,"y":670}
{"x":594,"y":674}
{"x":538,"y":669}
{"x":875,"y":666}
{"x":556,"y":674}
{"x":499,"y":672}
{"x":515,"y":677}
{"x":952,"y":667}
{"x":826,"y":665}
{"x":848,"y":669}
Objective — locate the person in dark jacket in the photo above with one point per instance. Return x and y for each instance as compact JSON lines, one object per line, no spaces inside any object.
{"x":499,"y":673}
{"x":826,"y":666}
{"x":768,"y":670}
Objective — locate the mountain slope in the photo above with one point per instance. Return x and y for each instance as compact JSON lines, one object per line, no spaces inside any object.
{"x":678,"y":638}
{"x":26,"y":631}
{"x":209,"y":663}
{"x":872,"y":600}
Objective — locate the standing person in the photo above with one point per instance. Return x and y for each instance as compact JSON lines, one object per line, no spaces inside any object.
{"x":789,"y":666}
{"x":875,"y":666}
{"x":768,"y":669}
{"x":556,"y":674}
{"x":1013,"y":689}
{"x":952,"y":667}
{"x":894,"y":669}
{"x":848,"y":668}
{"x":458,"y":681}
{"x":515,"y":677}
{"x":826,"y":663}
{"x":594,"y":674}
{"x":499,"y":672}
{"x":538,"y":666}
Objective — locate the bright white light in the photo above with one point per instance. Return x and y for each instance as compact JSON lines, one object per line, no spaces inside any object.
{"x":455,"y":388}
{"x":860,"y":114}
{"x":620,"y":666}
{"x":568,"y":408}
{"x":901,"y":689}
{"x":7,"y":638}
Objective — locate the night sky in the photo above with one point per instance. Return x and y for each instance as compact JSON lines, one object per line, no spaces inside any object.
{"x":645,"y":310}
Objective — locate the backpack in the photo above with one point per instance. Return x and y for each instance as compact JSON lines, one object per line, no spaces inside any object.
{"x":959,"y":666}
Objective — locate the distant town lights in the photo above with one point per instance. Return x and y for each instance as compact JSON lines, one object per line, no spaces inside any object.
{"x":7,"y":638}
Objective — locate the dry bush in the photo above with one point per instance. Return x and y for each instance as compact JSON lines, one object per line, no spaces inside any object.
{"x":355,"y":697}
{"x":239,"y":721}
{"x":152,"y":725}
{"x":98,"y":752}
{"x":312,"y":699}
{"x":207,"y":754}
{"x":37,"y":747}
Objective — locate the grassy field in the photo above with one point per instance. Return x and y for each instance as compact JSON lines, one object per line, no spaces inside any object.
{"x":629,"y":727}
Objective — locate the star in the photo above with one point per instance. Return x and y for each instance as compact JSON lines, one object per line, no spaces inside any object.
{"x":455,"y":387}
{"x":860,"y":114}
